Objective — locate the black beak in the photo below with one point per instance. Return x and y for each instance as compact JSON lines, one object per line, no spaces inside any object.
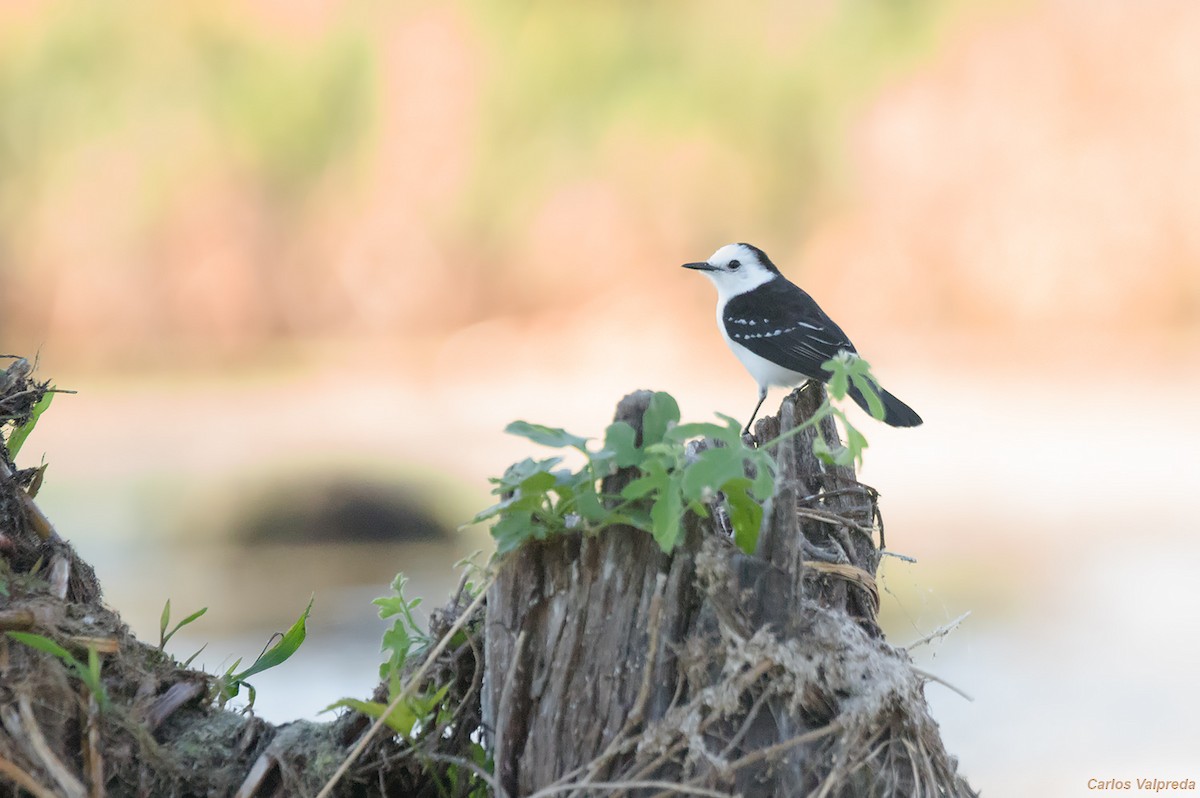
{"x":703,"y":266}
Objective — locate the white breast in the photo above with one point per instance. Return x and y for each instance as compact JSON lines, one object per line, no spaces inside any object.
{"x":730,"y":285}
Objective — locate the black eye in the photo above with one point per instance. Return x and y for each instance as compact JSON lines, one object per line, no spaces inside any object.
{"x":734,"y":265}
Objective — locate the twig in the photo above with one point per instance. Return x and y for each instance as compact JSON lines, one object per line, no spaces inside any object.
{"x":779,"y":748}
{"x":70,"y":786}
{"x":755,"y":708}
{"x":904,"y":557}
{"x":667,"y":788}
{"x":740,"y":683}
{"x":927,"y":675}
{"x":763,"y":753}
{"x":834,"y":519}
{"x":103,"y":645}
{"x":18,"y":619}
{"x":24,"y":780}
{"x":407,"y":690}
{"x":939,"y":632}
{"x":93,"y":759}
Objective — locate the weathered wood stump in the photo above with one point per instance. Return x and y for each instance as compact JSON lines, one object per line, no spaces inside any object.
{"x":613,"y":668}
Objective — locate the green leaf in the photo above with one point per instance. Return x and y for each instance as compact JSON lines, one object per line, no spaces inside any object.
{"x":821,"y":450}
{"x":619,"y":439}
{"x":395,"y":605}
{"x":187,"y":663}
{"x":763,"y":486}
{"x":44,"y":644}
{"x":89,"y":674}
{"x":399,"y":641}
{"x":425,"y":704}
{"x":745,"y":514}
{"x":547,"y":436}
{"x":662,"y":412}
{"x":517,"y":473}
{"x":165,"y":638}
{"x":283,"y":649}
{"x":704,"y":429}
{"x":538,"y":482}
{"x":832,"y":455}
{"x":643,"y":486}
{"x":733,"y":429}
{"x":838,"y":385}
{"x":856,"y":443}
{"x":491,"y":512}
{"x":401,"y":720}
{"x":870,"y":391}
{"x":636,"y":517}
{"x":710,"y":471}
{"x":665,"y":452}
{"x":513,"y":530}
{"x":17,"y":439}
{"x":589,"y":507}
{"x":92,"y":679}
{"x":163,"y":620}
{"x":730,"y":433}
{"x":667,"y":513}
{"x":404,"y":717}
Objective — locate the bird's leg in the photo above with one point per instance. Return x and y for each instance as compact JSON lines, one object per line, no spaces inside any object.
{"x":762,"y":395}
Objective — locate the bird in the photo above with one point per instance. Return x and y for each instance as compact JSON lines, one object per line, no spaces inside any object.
{"x":778,"y":331}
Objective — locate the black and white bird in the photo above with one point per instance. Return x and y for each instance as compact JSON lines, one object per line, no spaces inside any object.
{"x":776,"y":329}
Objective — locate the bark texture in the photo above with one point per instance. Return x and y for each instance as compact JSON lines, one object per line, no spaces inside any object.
{"x":613,"y":668}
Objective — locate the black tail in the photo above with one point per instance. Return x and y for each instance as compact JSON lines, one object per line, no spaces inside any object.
{"x":896,"y":413}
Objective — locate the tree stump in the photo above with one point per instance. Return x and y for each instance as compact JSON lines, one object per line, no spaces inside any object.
{"x":613,"y":668}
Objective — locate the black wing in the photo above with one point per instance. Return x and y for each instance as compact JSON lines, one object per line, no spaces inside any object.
{"x":780,"y":322}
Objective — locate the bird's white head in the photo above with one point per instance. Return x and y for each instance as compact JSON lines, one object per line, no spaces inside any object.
{"x":736,"y":269}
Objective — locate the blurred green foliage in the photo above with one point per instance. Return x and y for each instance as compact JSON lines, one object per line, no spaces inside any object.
{"x":200,"y":162}
{"x":178,"y":82}
{"x":770,"y":82}
{"x":289,"y":114}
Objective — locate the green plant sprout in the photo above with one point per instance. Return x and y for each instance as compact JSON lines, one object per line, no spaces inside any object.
{"x":539,"y":499}
{"x":229,"y":684}
{"x":408,"y":717}
{"x":164,"y":636}
{"x":405,"y":634}
{"x":165,"y":619}
{"x":89,"y":674}
{"x":17,"y":438}
{"x":400,"y":640}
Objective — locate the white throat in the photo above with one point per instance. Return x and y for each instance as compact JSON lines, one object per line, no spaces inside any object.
{"x":730,"y":285}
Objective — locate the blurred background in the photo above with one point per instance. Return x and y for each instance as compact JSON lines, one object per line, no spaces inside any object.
{"x":303,"y":261}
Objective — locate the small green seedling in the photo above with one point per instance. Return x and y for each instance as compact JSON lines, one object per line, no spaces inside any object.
{"x":400,"y":640}
{"x":89,"y":674}
{"x":404,"y":635}
{"x":229,"y":684}
{"x":165,"y":619}
{"x":410,"y":716}
{"x":17,"y":439}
